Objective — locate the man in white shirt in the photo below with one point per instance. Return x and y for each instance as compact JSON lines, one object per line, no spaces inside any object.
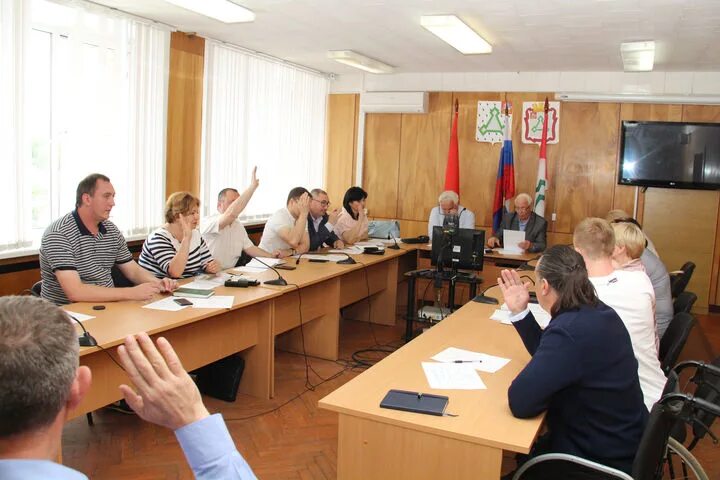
{"x":286,"y":231}
{"x":630,"y":294}
{"x":448,"y":204}
{"x":224,"y":234}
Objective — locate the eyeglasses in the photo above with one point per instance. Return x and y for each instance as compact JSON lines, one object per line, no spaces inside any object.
{"x":324,"y":203}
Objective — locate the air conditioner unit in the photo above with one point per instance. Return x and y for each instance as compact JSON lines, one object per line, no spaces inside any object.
{"x":394,"y":102}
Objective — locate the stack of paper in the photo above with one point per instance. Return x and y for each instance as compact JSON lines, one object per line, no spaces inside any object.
{"x":452,"y":376}
{"x":255,"y":263}
{"x":326,"y":257}
{"x":541,"y":316}
{"x":352,"y":250}
{"x":511,"y":241}
{"x":205,"y":282}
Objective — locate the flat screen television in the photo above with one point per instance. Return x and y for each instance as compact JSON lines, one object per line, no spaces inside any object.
{"x":670,"y":155}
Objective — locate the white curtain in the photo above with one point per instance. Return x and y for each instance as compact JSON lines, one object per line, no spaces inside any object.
{"x":259,"y":112}
{"x":13,"y":18}
{"x":95,"y":100}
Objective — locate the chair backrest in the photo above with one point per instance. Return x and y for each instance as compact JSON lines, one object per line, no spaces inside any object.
{"x":709,"y":390}
{"x":674,"y":340}
{"x":684,"y":302}
{"x":36,"y":289}
{"x":678,"y":283}
{"x":651,"y":451}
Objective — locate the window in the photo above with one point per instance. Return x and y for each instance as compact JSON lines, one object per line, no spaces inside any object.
{"x":93,"y":90}
{"x":265,"y":113}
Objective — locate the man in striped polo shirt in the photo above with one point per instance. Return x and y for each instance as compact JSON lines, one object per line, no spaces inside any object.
{"x":79,"y":250}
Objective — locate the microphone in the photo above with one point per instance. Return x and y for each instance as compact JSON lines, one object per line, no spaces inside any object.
{"x":396,"y":246}
{"x":86,"y":340}
{"x":297,"y":261}
{"x":348,"y":261}
{"x":280,"y":281}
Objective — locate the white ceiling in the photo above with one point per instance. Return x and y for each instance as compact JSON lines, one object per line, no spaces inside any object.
{"x":527,"y":35}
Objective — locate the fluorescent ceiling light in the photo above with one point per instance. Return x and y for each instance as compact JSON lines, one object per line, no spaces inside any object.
{"x":223,"y":10}
{"x":639,"y":98}
{"x":638,"y":56}
{"x":356,"y":60}
{"x":453,"y":31}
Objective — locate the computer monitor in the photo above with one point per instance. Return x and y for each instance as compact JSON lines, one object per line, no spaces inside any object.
{"x":463,"y":250}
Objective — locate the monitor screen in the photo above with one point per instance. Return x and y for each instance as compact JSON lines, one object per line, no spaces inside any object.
{"x":463,"y":250}
{"x":669,"y":154}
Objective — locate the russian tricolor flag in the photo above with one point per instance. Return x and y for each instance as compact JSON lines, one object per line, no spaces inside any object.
{"x":505,"y":183}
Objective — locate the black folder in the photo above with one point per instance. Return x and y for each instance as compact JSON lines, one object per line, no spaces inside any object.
{"x":415,"y":402}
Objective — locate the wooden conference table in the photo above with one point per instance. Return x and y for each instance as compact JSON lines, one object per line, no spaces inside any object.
{"x":379,"y":443}
{"x":259,"y":315}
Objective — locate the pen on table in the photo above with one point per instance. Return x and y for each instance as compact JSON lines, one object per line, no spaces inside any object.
{"x":467,"y":361}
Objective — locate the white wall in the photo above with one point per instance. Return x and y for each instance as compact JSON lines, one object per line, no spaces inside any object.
{"x":654,"y":83}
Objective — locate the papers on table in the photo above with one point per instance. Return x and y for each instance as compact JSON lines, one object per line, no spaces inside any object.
{"x":371,"y":243}
{"x":169,"y":305}
{"x":254,"y":263}
{"x":166,"y":304}
{"x":452,"y":376}
{"x":511,"y":240}
{"x":80,"y":317}
{"x":505,"y":251}
{"x":208,"y":282}
{"x":480,"y":361}
{"x":329,"y":257}
{"x":503,"y":315}
{"x":352,"y":250}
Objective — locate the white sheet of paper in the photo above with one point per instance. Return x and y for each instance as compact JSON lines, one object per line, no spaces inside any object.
{"x":352,"y":250}
{"x":250,"y":270}
{"x":166,"y":304}
{"x":329,"y":257}
{"x":502,"y":316}
{"x":505,"y":251}
{"x":541,"y":316}
{"x":511,"y":239}
{"x":80,"y":317}
{"x":216,"y":301}
{"x":452,"y":376}
{"x":371,"y":243}
{"x":254,"y":263}
{"x":481,"y":361}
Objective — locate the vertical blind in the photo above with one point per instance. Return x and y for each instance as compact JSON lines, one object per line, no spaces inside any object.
{"x":263,"y":113}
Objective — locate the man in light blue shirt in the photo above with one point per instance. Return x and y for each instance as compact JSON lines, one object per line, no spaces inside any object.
{"x":448,"y":204}
{"x":41,"y":383}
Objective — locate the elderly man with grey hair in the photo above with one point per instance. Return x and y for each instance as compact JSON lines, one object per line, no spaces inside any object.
{"x":41,"y":382}
{"x":523,"y":219}
{"x":448,"y":204}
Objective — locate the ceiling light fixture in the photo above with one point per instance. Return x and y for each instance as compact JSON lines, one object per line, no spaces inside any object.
{"x":638,"y":56}
{"x":357,"y":60}
{"x":638,"y":98}
{"x":457,"y":34}
{"x":222,"y":10}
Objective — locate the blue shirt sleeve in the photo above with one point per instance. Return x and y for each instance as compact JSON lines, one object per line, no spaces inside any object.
{"x":211,"y":452}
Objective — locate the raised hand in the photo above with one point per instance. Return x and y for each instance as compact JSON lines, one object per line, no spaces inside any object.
{"x":333,"y":216}
{"x":254,"y":181}
{"x":515,"y":292}
{"x":164,"y":393}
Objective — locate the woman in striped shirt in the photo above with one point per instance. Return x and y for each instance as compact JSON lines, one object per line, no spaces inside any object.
{"x":176,"y":249}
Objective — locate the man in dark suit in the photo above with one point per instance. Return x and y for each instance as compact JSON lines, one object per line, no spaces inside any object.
{"x":320,"y":224}
{"x":524,"y":219}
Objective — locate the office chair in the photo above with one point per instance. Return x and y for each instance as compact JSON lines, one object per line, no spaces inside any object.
{"x":679,"y":279}
{"x":684,"y":302}
{"x":674,"y":340}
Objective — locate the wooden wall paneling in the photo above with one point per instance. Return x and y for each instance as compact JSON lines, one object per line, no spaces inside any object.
{"x":526,"y":156}
{"x":585,"y":177}
{"x":184,"y":120}
{"x":340,"y":151}
{"x":681,"y":224}
{"x":478,"y":161}
{"x":14,"y":283}
{"x":381,"y":163}
{"x":424,"y":142}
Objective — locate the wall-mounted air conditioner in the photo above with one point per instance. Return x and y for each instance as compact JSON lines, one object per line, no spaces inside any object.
{"x":394,"y":102}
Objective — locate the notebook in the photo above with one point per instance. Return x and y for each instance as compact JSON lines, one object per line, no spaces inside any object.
{"x":416,"y":402}
{"x":194,"y":292}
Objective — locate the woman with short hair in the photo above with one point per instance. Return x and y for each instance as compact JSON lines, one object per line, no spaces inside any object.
{"x":352,"y":223}
{"x":176,"y":249}
{"x":583,"y":371}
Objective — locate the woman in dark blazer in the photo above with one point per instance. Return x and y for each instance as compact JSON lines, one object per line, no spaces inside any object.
{"x":582,"y":372}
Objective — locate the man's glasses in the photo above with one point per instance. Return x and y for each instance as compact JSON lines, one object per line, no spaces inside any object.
{"x":324,"y":203}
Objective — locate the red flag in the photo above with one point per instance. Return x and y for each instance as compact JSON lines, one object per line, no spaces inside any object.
{"x":452,"y":171}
